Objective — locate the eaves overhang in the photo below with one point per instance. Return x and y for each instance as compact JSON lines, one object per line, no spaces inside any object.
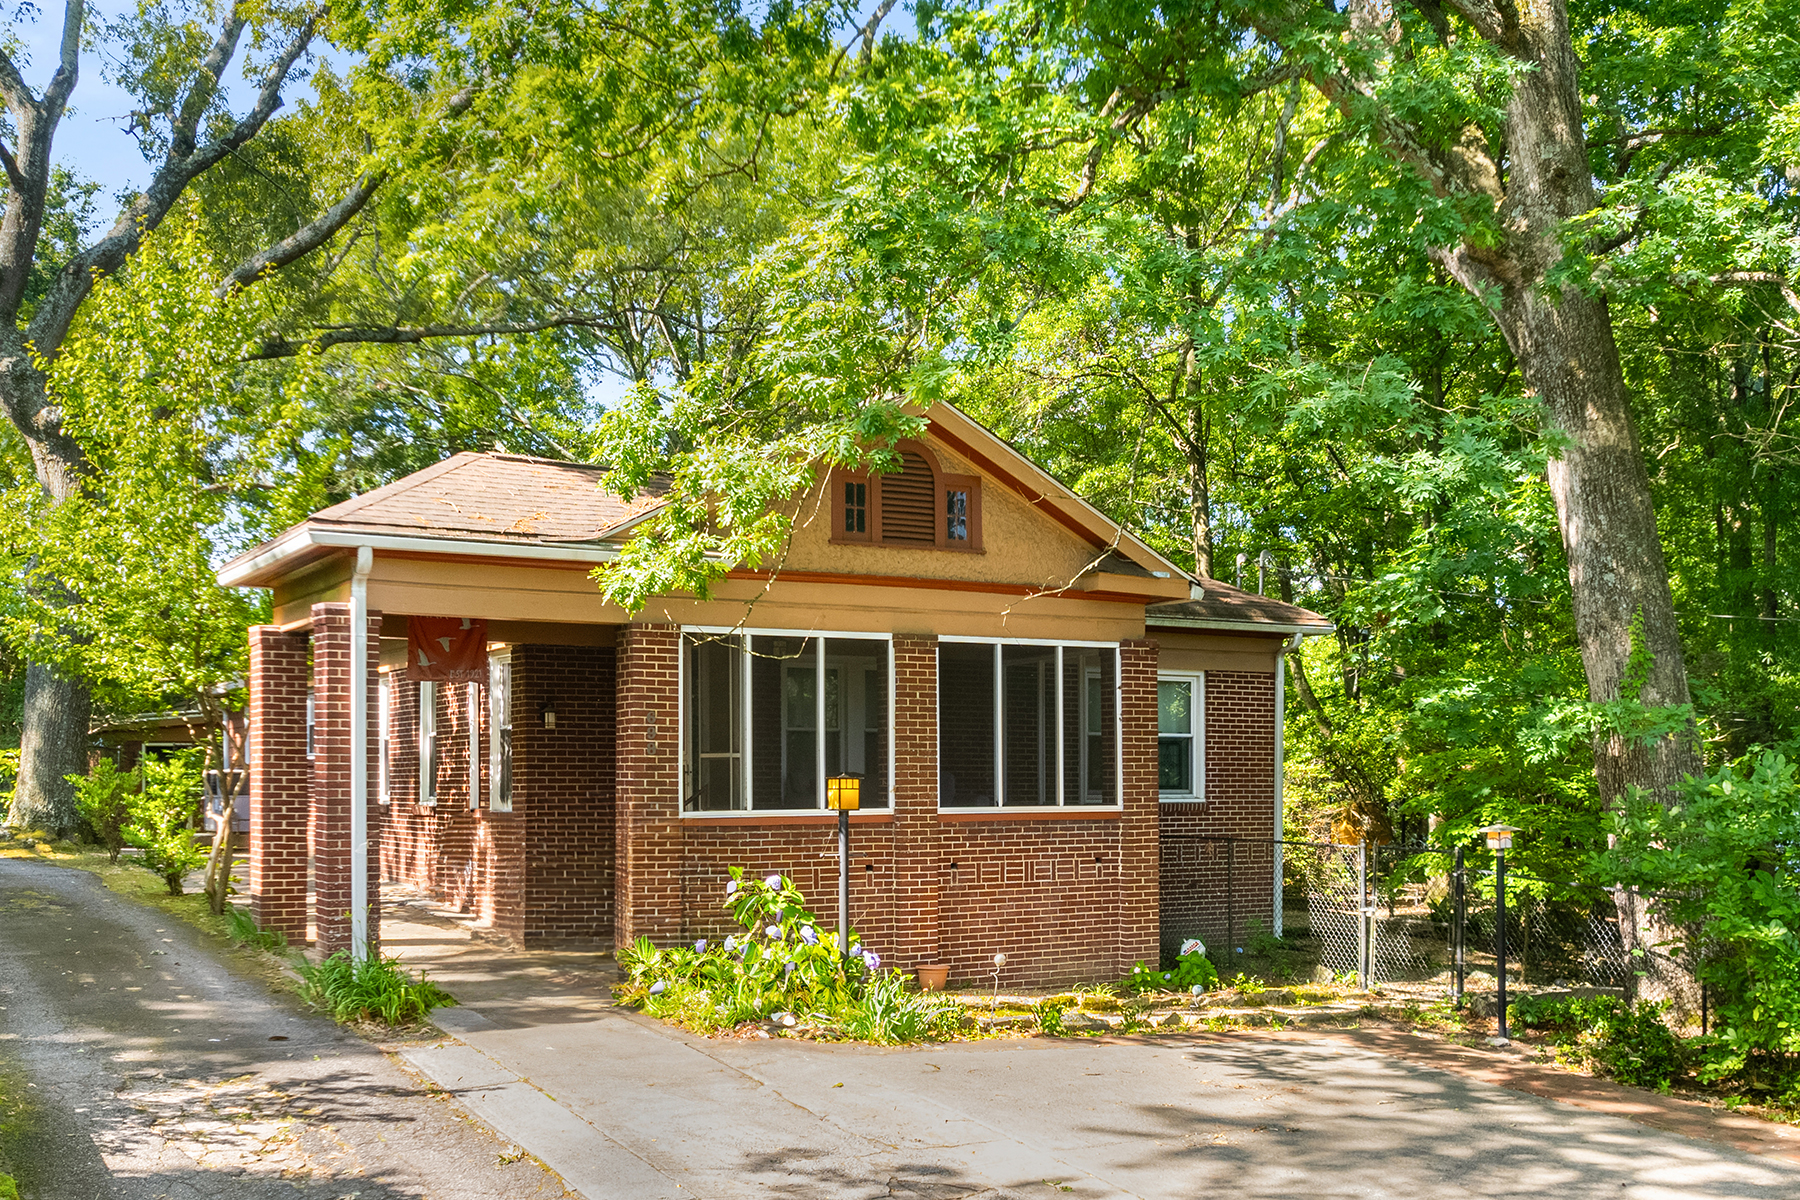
{"x":263,"y":566}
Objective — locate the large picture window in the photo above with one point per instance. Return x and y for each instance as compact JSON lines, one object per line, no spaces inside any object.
{"x":770,"y":717}
{"x":1027,"y":725}
{"x":1181,"y":737}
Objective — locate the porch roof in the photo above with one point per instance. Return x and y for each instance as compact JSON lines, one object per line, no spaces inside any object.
{"x":1220,"y":606}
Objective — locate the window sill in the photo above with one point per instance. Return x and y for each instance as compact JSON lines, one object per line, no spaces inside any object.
{"x":1181,"y":799}
{"x":1070,"y":812}
{"x":876,"y":816}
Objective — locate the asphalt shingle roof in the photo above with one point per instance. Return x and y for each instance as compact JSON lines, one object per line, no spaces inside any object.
{"x":492,"y":497}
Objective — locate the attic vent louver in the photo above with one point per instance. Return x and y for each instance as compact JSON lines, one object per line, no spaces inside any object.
{"x":909,"y":503}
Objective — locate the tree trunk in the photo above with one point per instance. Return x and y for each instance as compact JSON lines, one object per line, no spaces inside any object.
{"x":1199,"y":489}
{"x":53,"y":744}
{"x":53,"y":729}
{"x":1624,"y":612}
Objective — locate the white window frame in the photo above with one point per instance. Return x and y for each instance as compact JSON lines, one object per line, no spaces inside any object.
{"x":1062,"y":801}
{"x":744,"y":704}
{"x":384,"y":728}
{"x":312,"y":716}
{"x":472,"y":709}
{"x":500,"y":727}
{"x":428,"y":744}
{"x":1196,"y":793}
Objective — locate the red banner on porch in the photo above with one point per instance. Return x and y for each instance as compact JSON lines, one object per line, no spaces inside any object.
{"x":446,"y":650}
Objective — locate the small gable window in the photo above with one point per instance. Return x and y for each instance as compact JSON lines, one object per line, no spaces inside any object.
{"x":856,"y":508}
{"x":956,"y":509}
{"x":917,"y":505}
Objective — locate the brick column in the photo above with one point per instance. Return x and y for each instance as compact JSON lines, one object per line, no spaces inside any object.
{"x":1140,"y":899}
{"x":331,"y":777}
{"x":647,"y":861}
{"x":280,"y":781}
{"x":918,"y":860}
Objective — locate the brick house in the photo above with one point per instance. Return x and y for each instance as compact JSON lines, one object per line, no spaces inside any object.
{"x":1032,"y":697}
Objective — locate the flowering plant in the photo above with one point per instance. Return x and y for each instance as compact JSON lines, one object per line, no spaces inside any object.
{"x":780,"y":966}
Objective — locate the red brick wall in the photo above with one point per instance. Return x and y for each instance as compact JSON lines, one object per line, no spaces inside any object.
{"x":647,"y":848}
{"x":472,"y":861}
{"x":1209,"y":886}
{"x":1065,"y":899}
{"x":330,"y":812}
{"x":563,"y":788}
{"x":280,"y":780}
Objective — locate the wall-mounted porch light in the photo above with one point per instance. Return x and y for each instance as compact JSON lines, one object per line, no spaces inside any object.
{"x":548,"y":711}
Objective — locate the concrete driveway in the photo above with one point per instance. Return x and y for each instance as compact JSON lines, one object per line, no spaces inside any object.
{"x":624,"y":1107}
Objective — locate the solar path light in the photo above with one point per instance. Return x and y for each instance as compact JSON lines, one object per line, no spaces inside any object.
{"x":1499,"y":840}
{"x":843,"y":795}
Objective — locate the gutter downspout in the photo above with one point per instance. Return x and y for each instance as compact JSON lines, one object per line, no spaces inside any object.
{"x":359,"y":754}
{"x":1281,"y":764}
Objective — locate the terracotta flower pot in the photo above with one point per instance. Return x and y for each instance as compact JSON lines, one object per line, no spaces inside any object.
{"x":932,"y":976}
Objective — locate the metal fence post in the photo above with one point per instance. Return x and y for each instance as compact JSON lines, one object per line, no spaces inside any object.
{"x":1459,"y":911}
{"x":1362,"y":913}
{"x":1230,"y":896}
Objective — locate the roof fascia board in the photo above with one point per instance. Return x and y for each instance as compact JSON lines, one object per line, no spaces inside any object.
{"x":237,"y":574}
{"x":1022,"y":468}
{"x":1236,"y":626}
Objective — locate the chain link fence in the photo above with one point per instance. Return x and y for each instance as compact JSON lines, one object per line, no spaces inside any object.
{"x":1382,"y":914}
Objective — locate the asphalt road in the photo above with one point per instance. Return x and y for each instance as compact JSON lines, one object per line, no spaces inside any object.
{"x":151,"y":1070}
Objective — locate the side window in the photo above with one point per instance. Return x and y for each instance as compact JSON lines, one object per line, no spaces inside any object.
{"x":1181,"y":737}
{"x":500,"y":733}
{"x":472,"y":713}
{"x":428,"y":743}
{"x":384,"y":718}
{"x":311,"y":714}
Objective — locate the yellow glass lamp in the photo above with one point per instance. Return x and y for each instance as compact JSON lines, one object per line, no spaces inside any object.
{"x":843,"y":793}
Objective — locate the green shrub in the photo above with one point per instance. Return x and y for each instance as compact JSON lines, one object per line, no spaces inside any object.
{"x":1724,"y":862}
{"x":779,"y":966}
{"x":162,"y":817}
{"x":103,"y":797}
{"x":377,"y":989}
{"x":1629,"y":1042}
{"x":242,"y":927}
{"x":1193,"y":973}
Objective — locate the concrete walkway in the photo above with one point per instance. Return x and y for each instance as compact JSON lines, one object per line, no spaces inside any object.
{"x":625,"y":1107}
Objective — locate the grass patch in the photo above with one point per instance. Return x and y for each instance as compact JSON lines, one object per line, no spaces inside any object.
{"x":377,"y":989}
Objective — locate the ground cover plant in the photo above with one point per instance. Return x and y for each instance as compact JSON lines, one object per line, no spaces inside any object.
{"x":1627,"y":1042}
{"x":376,"y":989}
{"x":780,"y":967}
{"x":1193,"y":973}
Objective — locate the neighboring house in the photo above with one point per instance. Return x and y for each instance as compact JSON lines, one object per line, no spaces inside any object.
{"x":1031,"y":696}
{"x":128,"y":740}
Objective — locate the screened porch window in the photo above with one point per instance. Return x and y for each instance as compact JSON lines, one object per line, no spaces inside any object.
{"x":1025,"y":725}
{"x":770,"y":717}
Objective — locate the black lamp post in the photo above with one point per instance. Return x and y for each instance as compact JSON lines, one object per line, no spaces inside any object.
{"x":1499,"y":840}
{"x":843,"y":795}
